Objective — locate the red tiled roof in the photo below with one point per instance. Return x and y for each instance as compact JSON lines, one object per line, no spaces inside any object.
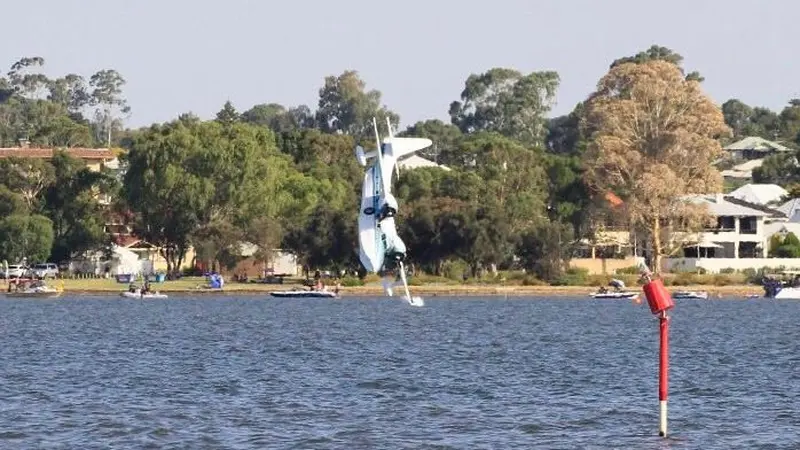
{"x":613,"y":199}
{"x":125,"y":240}
{"x":82,"y":153}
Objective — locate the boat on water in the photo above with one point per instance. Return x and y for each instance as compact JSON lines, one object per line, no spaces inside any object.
{"x":300,"y":293}
{"x":618,"y":291}
{"x":34,"y":289}
{"x":782,"y":286}
{"x":137,"y":293}
{"x":616,"y":294}
{"x":690,"y":295}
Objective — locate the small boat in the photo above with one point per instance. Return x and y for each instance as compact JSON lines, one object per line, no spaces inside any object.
{"x":300,"y":293}
{"x":690,"y":294}
{"x":620,"y":294}
{"x":137,"y":293}
{"x":37,"y":289}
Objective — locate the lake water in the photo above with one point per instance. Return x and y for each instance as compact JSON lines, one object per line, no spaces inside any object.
{"x":254,"y":372}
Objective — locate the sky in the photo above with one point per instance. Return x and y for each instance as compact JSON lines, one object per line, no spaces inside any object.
{"x":191,"y":56}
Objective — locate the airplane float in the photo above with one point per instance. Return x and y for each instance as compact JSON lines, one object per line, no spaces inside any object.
{"x":381,"y":250}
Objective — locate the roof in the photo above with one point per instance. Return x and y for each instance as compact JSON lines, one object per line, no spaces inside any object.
{"x":769,"y":211}
{"x":782,"y":227}
{"x":790,"y":208}
{"x":758,"y":144}
{"x":760,"y":193}
{"x":82,"y":153}
{"x":416,"y":161}
{"x":743,"y":170}
{"x":613,"y":199}
{"x":719,"y":206}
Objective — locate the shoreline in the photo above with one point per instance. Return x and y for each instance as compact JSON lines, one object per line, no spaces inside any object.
{"x":103,"y":287}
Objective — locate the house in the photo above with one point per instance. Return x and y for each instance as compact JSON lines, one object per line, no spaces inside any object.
{"x":749,"y":154}
{"x":612,"y":246}
{"x":94,"y":158}
{"x":738,"y":240}
{"x":754,"y":148}
{"x":760,"y":194}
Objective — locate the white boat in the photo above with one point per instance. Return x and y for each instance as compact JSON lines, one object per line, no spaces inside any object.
{"x":137,"y":293}
{"x":622,"y":294}
{"x":787,"y":293}
{"x":299,"y":293}
{"x":35,"y":291}
{"x":689,"y":294}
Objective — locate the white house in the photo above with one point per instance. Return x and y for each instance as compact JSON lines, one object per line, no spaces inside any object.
{"x":739,"y":240}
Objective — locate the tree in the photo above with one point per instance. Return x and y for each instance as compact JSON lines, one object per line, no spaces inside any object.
{"x":25,"y":236}
{"x":445,"y":136}
{"x":657,"y":53}
{"x":107,"y":96}
{"x":508,"y":102}
{"x":279,"y":119}
{"x":72,"y":206}
{"x":28,"y":177}
{"x":25,"y":82}
{"x":655,"y":136}
{"x":345,"y":106}
{"x":228,"y":114}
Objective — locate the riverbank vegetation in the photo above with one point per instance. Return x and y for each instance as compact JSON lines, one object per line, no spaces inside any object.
{"x":521,"y":190}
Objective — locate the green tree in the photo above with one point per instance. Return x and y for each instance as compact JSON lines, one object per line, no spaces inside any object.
{"x":25,"y":236}
{"x":111,"y":105}
{"x":345,"y":106}
{"x":508,"y":102}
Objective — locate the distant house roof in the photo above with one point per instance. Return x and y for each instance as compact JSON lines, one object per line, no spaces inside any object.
{"x":98,"y":154}
{"x":790,"y":208}
{"x":415,"y":161}
{"x":773,"y":213}
{"x":782,"y":228}
{"x":720,"y":206}
{"x":758,"y":144}
{"x":743,"y":170}
{"x":613,"y":199}
{"x":760,"y":194}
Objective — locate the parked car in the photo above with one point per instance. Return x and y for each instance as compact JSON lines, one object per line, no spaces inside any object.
{"x":45,"y":270}
{"x":15,"y":271}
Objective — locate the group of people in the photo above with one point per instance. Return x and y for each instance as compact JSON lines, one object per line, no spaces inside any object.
{"x":319,"y":285}
{"x":145,"y":288}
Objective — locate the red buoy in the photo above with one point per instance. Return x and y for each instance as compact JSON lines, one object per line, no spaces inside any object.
{"x":660,"y":302}
{"x":657,"y":296}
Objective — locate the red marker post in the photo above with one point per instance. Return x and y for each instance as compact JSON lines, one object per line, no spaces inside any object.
{"x":660,"y":302}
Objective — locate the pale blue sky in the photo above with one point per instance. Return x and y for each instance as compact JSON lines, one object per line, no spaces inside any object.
{"x":181,"y":56}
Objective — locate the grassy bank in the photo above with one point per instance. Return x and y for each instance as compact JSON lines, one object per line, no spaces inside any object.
{"x":373,"y":287}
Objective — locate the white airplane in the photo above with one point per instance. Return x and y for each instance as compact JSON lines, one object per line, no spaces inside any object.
{"x":380,"y":248}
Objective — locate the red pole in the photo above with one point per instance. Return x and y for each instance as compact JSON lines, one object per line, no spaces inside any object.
{"x":663,"y":373}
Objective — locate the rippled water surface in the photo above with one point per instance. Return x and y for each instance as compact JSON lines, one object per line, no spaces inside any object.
{"x":251,"y":372}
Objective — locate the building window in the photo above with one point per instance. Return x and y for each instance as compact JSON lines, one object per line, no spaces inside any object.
{"x":748,"y":225}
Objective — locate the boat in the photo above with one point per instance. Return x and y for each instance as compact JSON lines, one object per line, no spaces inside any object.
{"x":137,"y":293}
{"x":300,"y":293}
{"x":617,"y":294}
{"x":690,"y":294}
{"x":37,"y":289}
{"x":775,"y":286}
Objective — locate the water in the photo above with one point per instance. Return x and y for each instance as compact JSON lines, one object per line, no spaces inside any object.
{"x":475,"y":373}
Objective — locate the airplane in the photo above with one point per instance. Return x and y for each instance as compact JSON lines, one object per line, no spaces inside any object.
{"x":381,"y":250}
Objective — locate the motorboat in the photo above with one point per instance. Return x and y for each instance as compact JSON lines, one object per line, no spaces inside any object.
{"x":614,"y":294}
{"x":137,"y":294}
{"x":618,"y":291}
{"x":690,"y":295}
{"x":301,"y":293}
{"x":37,"y":289}
{"x":775,"y":287}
